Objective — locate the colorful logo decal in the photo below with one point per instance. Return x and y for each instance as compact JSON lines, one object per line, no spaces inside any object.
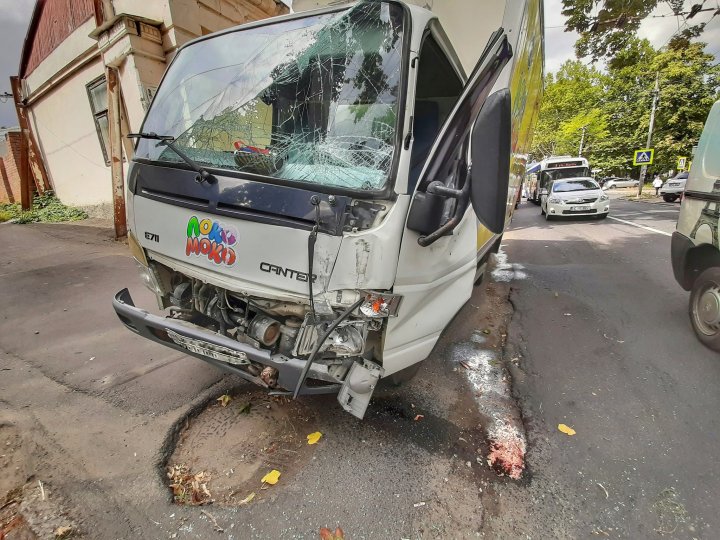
{"x":212,"y":239}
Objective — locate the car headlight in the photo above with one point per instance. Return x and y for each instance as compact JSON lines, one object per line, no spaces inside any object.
{"x":555,"y":200}
{"x":604,"y":197}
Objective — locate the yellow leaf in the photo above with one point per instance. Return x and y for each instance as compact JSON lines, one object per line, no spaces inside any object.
{"x":224,"y":400}
{"x":313,"y":438}
{"x":567,"y":430}
{"x":271,"y":478}
{"x":247,"y":499}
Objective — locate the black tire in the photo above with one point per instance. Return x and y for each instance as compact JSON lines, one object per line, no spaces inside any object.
{"x":669,"y":198}
{"x":603,"y":216}
{"x":704,"y":308}
{"x":405,"y":375}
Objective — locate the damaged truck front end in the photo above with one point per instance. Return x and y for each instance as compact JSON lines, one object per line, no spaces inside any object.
{"x":298,"y":201}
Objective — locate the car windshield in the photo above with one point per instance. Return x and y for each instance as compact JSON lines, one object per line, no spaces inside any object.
{"x":550,"y":175}
{"x":310,"y":100}
{"x":574,"y":185}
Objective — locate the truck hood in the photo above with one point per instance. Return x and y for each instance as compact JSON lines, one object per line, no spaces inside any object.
{"x":244,"y":256}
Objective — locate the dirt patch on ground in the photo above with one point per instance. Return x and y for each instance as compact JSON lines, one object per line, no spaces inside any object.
{"x":29,"y":508}
{"x":224,"y":452}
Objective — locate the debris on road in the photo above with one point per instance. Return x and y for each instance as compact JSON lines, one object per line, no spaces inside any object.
{"x":313,"y":438}
{"x":271,"y":478}
{"x":248,"y":499}
{"x":419,"y":504}
{"x":217,"y":527}
{"x":188,"y":487}
{"x":671,"y":512}
{"x":419,"y":417}
{"x":492,"y":387}
{"x":607,"y":495}
{"x":245,"y":408}
{"x":567,"y":430}
{"x":224,"y":400}
{"x":326,"y":534}
{"x":63,"y":532}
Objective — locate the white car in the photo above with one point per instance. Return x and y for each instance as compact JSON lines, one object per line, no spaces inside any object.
{"x":574,"y":197}
{"x":674,"y":187}
{"x":620,"y":183}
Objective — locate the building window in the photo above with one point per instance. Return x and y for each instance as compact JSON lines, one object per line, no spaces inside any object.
{"x":97,"y":92}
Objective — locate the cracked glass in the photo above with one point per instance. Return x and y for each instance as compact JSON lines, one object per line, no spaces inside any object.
{"x":310,"y":100}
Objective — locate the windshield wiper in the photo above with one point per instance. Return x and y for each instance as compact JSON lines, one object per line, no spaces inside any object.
{"x":168,"y":140}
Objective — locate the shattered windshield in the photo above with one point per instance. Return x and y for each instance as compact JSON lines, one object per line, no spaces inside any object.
{"x":311,"y":100}
{"x":574,"y":185}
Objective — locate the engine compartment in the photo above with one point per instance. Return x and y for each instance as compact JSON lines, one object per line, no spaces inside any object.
{"x":286,"y":329}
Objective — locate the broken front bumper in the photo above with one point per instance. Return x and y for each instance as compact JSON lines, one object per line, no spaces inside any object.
{"x":221,"y":351}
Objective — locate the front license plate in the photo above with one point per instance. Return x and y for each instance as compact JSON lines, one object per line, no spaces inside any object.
{"x":217,"y":352}
{"x":579,"y":208}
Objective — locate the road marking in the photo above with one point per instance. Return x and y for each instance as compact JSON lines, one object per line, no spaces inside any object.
{"x":640,"y":226}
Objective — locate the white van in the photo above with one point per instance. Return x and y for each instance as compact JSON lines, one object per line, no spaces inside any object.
{"x":695,"y":249}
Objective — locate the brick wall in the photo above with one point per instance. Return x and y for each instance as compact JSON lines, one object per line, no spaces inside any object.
{"x":9,"y":175}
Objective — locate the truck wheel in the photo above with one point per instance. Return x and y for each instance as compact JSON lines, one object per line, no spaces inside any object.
{"x":405,"y":375}
{"x":705,"y":308}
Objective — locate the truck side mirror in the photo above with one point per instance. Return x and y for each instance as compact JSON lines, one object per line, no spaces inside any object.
{"x":491,"y":153}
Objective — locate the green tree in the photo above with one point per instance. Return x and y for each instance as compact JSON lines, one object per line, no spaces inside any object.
{"x":607,"y":26}
{"x":614,"y":106}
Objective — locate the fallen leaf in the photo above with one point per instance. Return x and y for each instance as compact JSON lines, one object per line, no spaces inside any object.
{"x":245,"y":408}
{"x":313,"y":438}
{"x":419,"y":417}
{"x":248,"y":499}
{"x":486,"y":331}
{"x":465,"y":365}
{"x":271,"y":478}
{"x":326,"y":534}
{"x":567,"y":430}
{"x":63,"y":532}
{"x":224,"y":400}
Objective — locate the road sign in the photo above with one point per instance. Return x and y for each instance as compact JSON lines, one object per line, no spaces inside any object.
{"x":682,"y":163}
{"x":644,"y":156}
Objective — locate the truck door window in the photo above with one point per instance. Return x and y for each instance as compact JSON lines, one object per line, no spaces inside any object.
{"x":438,"y":89}
{"x":312,"y":100}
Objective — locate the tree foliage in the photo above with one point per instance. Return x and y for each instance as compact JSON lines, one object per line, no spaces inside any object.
{"x":614,"y":106}
{"x":606,"y":27}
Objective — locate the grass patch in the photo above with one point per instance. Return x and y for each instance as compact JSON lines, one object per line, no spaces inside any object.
{"x":46,"y":208}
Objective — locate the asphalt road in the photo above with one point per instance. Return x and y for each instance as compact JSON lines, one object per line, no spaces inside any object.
{"x":607,"y":348}
{"x":90,"y":410}
{"x":599,"y":334}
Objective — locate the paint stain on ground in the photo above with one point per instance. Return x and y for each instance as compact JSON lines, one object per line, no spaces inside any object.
{"x":223,"y":454}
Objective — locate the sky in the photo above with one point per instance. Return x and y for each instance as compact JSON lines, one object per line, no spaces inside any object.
{"x":15,"y":16}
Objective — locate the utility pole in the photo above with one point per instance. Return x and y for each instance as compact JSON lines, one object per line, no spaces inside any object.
{"x":656,"y":96}
{"x":582,"y":141}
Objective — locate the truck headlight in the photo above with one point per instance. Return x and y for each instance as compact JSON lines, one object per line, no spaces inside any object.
{"x":379,"y":304}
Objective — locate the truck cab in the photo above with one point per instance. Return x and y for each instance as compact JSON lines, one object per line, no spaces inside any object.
{"x":312,"y":197}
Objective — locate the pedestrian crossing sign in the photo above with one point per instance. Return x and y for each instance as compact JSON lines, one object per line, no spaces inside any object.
{"x":682,"y":164}
{"x":644,"y":156}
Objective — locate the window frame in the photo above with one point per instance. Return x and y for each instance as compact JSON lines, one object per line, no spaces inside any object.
{"x":104,"y":145}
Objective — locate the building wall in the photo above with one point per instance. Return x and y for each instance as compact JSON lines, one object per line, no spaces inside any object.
{"x":9,"y":163}
{"x":64,"y":126}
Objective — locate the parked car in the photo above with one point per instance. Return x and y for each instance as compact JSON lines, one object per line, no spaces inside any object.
{"x":674,"y":187}
{"x":695,"y":248}
{"x":574,"y":197}
{"x":616,"y":182}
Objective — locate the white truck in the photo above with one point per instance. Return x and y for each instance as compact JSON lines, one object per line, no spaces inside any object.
{"x":300,"y":196}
